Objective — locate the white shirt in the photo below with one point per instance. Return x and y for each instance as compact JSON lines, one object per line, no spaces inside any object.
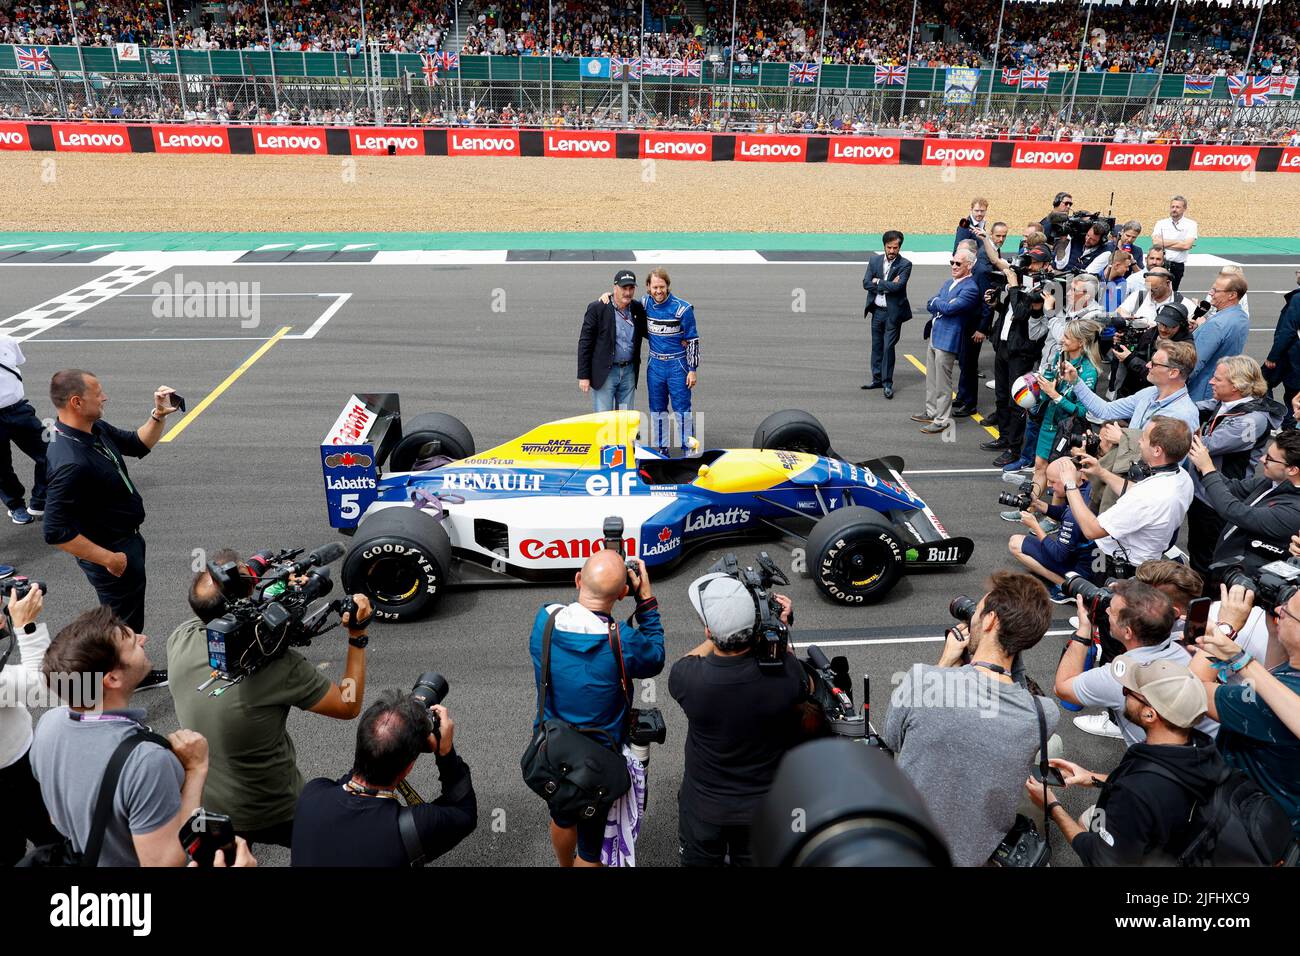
{"x":11,"y":389}
{"x":1181,"y":231}
{"x":1145,"y":518}
{"x":1144,"y":315}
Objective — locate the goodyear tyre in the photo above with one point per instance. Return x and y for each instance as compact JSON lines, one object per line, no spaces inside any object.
{"x":793,"y":430}
{"x":421,"y":432}
{"x":399,"y":559}
{"x":855,"y":556}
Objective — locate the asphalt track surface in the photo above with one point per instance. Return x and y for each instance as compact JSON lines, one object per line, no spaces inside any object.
{"x":494,"y":345}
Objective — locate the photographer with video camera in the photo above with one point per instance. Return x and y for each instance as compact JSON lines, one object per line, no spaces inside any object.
{"x":1140,"y":618}
{"x":1017,"y":332}
{"x":255,"y":778}
{"x":964,"y":731}
{"x":583,"y":666}
{"x":1132,"y":350}
{"x":1094,"y":246}
{"x":1138,"y":311}
{"x":740,"y":690}
{"x":356,"y":820}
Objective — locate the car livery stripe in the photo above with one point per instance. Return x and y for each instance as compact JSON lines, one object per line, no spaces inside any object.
{"x":925,"y":509}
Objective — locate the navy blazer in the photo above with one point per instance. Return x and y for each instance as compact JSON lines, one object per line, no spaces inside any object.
{"x":892,"y":281}
{"x":597,"y":339}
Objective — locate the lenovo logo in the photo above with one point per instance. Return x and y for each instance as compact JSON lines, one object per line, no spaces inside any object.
{"x":1218,"y":159}
{"x":1028,"y":156}
{"x":1135,"y":159}
{"x":381,"y":143}
{"x":12,"y":138}
{"x":771,"y":150}
{"x":844,"y":151}
{"x":955,"y":155}
{"x":1290,"y":160}
{"x":584,"y":147}
{"x":90,"y":139}
{"x":484,"y":144}
{"x":671,"y":147}
{"x":286,"y":141}
{"x":168,"y":140}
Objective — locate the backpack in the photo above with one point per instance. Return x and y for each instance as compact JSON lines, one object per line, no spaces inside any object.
{"x":1240,"y":825}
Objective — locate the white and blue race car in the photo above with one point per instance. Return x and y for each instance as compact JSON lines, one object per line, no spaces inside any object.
{"x":439,"y":514}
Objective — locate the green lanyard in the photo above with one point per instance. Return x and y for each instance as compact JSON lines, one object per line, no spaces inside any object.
{"x":103,"y":450}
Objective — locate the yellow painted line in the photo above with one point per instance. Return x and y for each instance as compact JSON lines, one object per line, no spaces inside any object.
{"x":213,"y":395}
{"x":920,"y":367}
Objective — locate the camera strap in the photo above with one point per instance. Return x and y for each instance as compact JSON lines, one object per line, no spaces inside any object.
{"x":1042,"y":763}
{"x":108,"y":791}
{"x":411,"y":842}
{"x":544,"y":685}
{"x":616,"y":645}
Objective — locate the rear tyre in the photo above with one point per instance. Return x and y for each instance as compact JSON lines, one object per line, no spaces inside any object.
{"x":432,"y":433}
{"x":855,"y":556}
{"x":793,"y":430}
{"x":399,"y":559}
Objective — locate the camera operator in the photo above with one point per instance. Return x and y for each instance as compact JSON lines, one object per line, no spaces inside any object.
{"x":1266,"y":507}
{"x":1255,"y":736}
{"x":588,"y":686}
{"x":968,"y":754}
{"x":1115,"y":281}
{"x":1017,"y":333}
{"x":1062,"y":206}
{"x":1152,"y":504}
{"x":1129,"y":366}
{"x":99,"y":661}
{"x":1094,"y":247}
{"x":23,"y":816}
{"x":255,"y":778}
{"x":356,"y":820}
{"x":1142,"y":816}
{"x":1168,"y":370}
{"x":1126,"y":243}
{"x":740,"y":722}
{"x":1066,"y":549}
{"x":1141,"y":618}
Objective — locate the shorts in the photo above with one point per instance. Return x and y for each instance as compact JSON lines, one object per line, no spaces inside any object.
{"x":591,"y":833}
{"x":1048,"y":553}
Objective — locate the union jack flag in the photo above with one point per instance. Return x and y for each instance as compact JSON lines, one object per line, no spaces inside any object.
{"x":1197,"y":85}
{"x":674,"y":67}
{"x":1034,"y":79}
{"x":625,"y":68}
{"x":448,"y":61}
{"x":1010,"y":76}
{"x":654,"y":66}
{"x":160,"y":57}
{"x":804,"y":72}
{"x":1283,"y":86}
{"x":891,"y":76}
{"x":1249,"y":90}
{"x":696,"y":68}
{"x":33,"y":59}
{"x":430,"y":68}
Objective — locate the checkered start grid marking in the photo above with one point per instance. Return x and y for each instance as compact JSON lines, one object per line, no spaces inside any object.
{"x":65,"y":305}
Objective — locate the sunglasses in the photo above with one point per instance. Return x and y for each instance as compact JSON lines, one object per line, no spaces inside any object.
{"x":1136,"y":696}
{"x":954,"y":262}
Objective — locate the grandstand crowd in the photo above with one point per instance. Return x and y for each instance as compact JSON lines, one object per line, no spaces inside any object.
{"x":1127,"y":37}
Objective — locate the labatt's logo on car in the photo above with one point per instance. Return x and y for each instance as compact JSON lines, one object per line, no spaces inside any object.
{"x":567,"y":549}
{"x":191,"y":139}
{"x":1125,"y":156}
{"x":663,"y":541}
{"x":868,"y":152}
{"x":92,"y":139}
{"x":375,"y":142}
{"x":295,"y":141}
{"x":1235,"y":158}
{"x":697,"y":146}
{"x":772,"y":149}
{"x":710,"y":520}
{"x":13,"y":136}
{"x":594,"y":145}
{"x":483,"y":142}
{"x":1046,"y":155}
{"x":955,"y":152}
{"x":1290,"y":161}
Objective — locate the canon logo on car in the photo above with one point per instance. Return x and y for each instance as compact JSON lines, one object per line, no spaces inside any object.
{"x":483,"y":144}
{"x":752,"y":149}
{"x":936,"y":153}
{"x":580,"y":145}
{"x":1056,"y":158}
{"x":874,"y":152}
{"x":534,"y":549}
{"x":653,"y":145}
{"x":196,"y":142}
{"x":1290,"y":161}
{"x":1139,"y":157}
{"x":362,"y":143}
{"x":82,"y":140}
{"x":1229,"y":157}
{"x":264,"y":141}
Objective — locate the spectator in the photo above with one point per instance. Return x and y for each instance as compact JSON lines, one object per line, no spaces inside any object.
{"x":1222,"y":334}
{"x":1168,"y":369}
{"x":1175,"y":235}
{"x":1115,"y":281}
{"x":968,"y":755}
{"x":1078,"y":349}
{"x":100,"y":655}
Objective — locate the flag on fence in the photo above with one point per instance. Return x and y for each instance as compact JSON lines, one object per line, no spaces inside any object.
{"x":1283,"y":86}
{"x":891,"y":76}
{"x":625,"y":68}
{"x":1249,"y":90}
{"x":804,"y":72}
{"x":693,"y":68}
{"x":959,"y":84}
{"x":1010,"y":76}
{"x":1034,"y":79}
{"x":33,"y":59}
{"x":1196,"y":85}
{"x":595,"y":67}
{"x":673,"y":66}
{"x":128,"y":52}
{"x":429,"y":68}
{"x":160,"y":57}
{"x":448,"y":61}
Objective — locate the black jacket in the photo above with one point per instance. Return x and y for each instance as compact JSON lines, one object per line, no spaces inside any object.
{"x":1135,"y":366}
{"x":1274,"y":519}
{"x":1285,"y":353}
{"x":1146,"y":816}
{"x":889,"y":279}
{"x":597,"y":340}
{"x":1018,"y":311}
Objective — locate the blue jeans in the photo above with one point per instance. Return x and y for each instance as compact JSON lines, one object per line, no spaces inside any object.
{"x":619,"y":390}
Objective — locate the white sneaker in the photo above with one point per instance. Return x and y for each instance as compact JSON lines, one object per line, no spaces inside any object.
{"x":1074,"y":622}
{"x":990,"y":384}
{"x":1099,"y":725}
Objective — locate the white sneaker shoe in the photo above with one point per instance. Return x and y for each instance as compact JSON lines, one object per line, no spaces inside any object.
{"x":1074,"y":622}
{"x":990,"y":384}
{"x":1099,"y":725}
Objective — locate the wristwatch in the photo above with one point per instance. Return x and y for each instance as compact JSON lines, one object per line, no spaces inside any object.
{"x":1227,"y":630}
{"x":29,"y":627}
{"x":359,"y":642}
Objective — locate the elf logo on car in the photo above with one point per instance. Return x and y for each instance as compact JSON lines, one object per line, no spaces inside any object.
{"x":1152,"y":157}
{"x":617,"y":483}
{"x":1062,"y":158}
{"x":885,"y":152}
{"x":706,"y":520}
{"x":1204,"y":157}
{"x":591,"y":145}
{"x":1290,"y":160}
{"x":936,"y":154}
{"x":533,"y":549}
{"x":652,"y":145}
{"x":366,"y":143}
{"x":288,"y":142}
{"x":166,"y":139}
{"x":82,"y":140}
{"x":506,"y":144}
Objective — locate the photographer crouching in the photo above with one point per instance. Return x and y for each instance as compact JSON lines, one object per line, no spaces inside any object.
{"x":254,"y":777}
{"x":357,"y":820}
{"x":741,"y":690}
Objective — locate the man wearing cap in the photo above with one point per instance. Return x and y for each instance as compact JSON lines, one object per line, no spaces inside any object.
{"x":609,"y":346}
{"x":1171,"y":326}
{"x":740,"y":722}
{"x":1221,"y":335}
{"x":1144,"y":815}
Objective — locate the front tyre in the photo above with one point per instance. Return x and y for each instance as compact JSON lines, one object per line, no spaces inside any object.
{"x":793,"y":430}
{"x":855,"y":556}
{"x":399,"y":559}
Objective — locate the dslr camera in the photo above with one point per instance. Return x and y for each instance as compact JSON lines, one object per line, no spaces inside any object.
{"x":269,"y":610}
{"x":1274,"y":584}
{"x":16,"y":586}
{"x":1021,"y":499}
{"x":771,"y":636}
{"x":647,"y":726}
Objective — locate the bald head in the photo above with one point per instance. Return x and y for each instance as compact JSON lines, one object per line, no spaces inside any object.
{"x":603,"y":579}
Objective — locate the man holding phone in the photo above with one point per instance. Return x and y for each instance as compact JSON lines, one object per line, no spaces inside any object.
{"x":93,"y":509}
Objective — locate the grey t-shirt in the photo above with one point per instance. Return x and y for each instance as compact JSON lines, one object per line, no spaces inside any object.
{"x":69,"y":758}
{"x":966,"y":741}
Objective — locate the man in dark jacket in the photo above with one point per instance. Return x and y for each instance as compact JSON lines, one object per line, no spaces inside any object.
{"x":1144,"y":815}
{"x":1017,"y":335}
{"x":609,"y":346}
{"x":885,"y":282}
{"x":590,"y":687}
{"x":1282,"y":367}
{"x":1267,"y":507}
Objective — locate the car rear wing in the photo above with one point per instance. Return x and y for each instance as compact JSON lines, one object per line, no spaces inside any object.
{"x":358,"y":442}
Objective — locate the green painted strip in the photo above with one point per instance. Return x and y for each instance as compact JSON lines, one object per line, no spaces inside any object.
{"x":387,"y":241}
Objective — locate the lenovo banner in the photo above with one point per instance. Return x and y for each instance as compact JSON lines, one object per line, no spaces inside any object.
{"x":1290,"y":161}
{"x":579,"y":144}
{"x":14,"y":136}
{"x":676,"y":146}
{"x":1231,"y":158}
{"x":191,"y":139}
{"x":482,"y":142}
{"x":289,"y":140}
{"x":867,"y":152}
{"x":91,"y":138}
{"x":1135,"y":156}
{"x":372,"y":141}
{"x":1046,"y":155}
{"x":752,"y":148}
{"x":956,"y":152}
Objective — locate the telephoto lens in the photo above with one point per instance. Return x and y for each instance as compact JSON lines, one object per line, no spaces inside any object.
{"x":430,"y":688}
{"x":1075,"y":585}
{"x":963,"y":608}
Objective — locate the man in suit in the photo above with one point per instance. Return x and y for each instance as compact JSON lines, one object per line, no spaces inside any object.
{"x":975,"y":233}
{"x":886,"y":285}
{"x":1283,"y":364}
{"x":609,"y":346}
{"x":957,"y":299}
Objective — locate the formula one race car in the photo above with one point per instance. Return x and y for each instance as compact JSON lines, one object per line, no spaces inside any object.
{"x":442,"y":515}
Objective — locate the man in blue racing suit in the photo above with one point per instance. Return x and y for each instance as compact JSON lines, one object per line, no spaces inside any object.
{"x":674,"y":357}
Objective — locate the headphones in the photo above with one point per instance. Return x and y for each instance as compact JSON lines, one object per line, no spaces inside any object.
{"x":1059,"y":197}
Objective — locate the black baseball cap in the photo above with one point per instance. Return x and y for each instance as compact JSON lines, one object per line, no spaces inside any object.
{"x":1173,"y":315}
{"x":1039,"y":254}
{"x":624,"y":277}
